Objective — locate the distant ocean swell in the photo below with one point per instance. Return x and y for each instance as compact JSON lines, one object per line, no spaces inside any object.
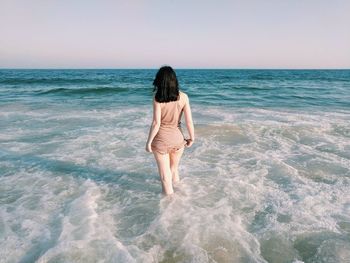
{"x":84,"y":91}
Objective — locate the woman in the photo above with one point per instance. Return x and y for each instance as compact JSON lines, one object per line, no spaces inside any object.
{"x":165,"y":138}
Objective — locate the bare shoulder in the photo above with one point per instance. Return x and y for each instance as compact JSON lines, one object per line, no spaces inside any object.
{"x":155,"y":102}
{"x":183,"y":96}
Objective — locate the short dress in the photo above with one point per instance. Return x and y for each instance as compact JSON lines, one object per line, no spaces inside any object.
{"x":170,"y":136}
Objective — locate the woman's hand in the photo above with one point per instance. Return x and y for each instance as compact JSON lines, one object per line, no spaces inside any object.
{"x":189,"y":142}
{"x":148,"y":148}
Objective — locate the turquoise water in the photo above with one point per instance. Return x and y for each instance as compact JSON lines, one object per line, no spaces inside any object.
{"x":267,"y":179}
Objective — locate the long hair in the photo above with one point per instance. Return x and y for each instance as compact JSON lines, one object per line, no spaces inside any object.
{"x":166,"y":85}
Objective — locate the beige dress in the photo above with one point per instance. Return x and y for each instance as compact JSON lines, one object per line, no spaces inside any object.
{"x":170,"y":137}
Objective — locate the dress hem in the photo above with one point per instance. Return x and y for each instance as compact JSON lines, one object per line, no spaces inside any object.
{"x":169,"y":149}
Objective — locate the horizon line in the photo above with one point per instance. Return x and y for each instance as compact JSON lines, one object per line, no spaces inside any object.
{"x":180,"y":68}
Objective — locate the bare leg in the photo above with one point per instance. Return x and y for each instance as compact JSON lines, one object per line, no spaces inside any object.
{"x":163,"y":163}
{"x":174,"y":163}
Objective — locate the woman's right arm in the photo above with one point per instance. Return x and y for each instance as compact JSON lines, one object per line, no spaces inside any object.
{"x":189,"y":121}
{"x":155,"y":125}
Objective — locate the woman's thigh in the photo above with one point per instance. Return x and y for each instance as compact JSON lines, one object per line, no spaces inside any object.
{"x":175,"y":157}
{"x":163,"y":161}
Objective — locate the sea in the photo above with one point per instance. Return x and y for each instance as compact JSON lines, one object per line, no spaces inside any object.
{"x":267,"y":179}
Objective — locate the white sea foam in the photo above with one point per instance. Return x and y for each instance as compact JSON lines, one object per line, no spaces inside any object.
{"x":86,"y":235}
{"x":82,"y":184}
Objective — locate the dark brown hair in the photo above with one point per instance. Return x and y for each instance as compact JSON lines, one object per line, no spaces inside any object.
{"x":166,"y":85}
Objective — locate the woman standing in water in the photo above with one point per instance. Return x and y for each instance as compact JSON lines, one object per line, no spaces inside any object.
{"x":165,"y":138}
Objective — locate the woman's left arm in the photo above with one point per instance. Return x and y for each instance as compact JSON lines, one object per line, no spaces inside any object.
{"x":155,"y":125}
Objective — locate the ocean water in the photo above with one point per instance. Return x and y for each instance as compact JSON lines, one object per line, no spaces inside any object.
{"x":267,"y":180}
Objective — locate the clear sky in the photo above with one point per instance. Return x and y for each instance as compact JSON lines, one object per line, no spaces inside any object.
{"x":181,"y":33}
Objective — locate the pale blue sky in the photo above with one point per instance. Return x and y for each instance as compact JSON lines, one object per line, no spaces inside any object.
{"x":183,"y":34}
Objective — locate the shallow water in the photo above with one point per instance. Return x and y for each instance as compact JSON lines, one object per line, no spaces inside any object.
{"x":267,"y":180}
